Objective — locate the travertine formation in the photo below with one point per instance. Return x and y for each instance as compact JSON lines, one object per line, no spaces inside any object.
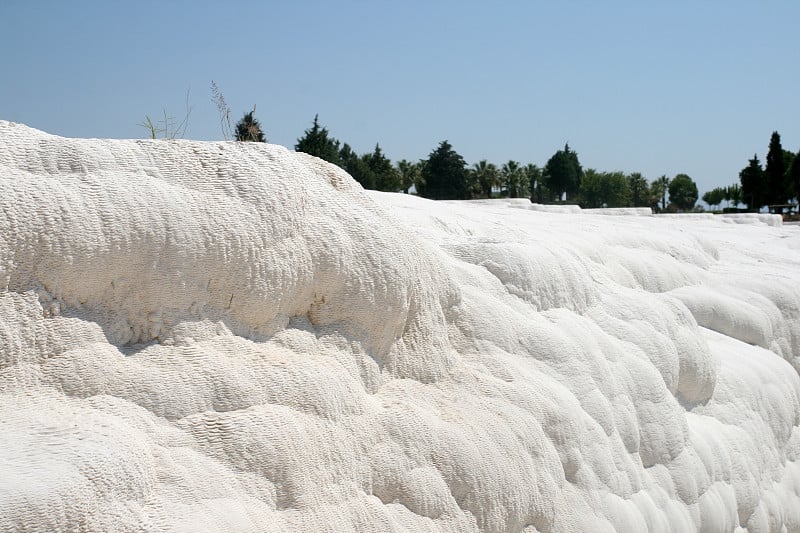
{"x":202,"y":336}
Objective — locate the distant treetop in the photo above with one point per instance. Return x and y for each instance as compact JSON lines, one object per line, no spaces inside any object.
{"x":249,"y":129}
{"x":316,"y":141}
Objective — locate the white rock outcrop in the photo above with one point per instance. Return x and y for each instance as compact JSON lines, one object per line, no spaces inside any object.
{"x":200,"y":336}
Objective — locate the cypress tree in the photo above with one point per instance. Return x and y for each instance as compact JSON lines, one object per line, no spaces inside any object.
{"x":444,"y":175}
{"x":776,"y":172}
{"x":315,"y":141}
{"x":752,"y":178}
{"x":794,"y":176}
{"x":386,"y":177}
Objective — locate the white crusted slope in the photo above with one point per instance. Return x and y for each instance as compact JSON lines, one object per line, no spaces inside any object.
{"x":235,"y":337}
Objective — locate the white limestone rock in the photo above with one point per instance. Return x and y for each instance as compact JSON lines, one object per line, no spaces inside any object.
{"x":200,"y":336}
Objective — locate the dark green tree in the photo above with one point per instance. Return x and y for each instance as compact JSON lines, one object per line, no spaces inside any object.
{"x":639,"y":190}
{"x":591,"y":184}
{"x":444,"y":175}
{"x":776,"y":172}
{"x":562,"y":174}
{"x":317,"y":142}
{"x":357,"y":167}
{"x":386,"y":177}
{"x":249,"y":129}
{"x":752,"y":179}
{"x":682,"y":192}
{"x":794,"y":176}
{"x":603,"y":189}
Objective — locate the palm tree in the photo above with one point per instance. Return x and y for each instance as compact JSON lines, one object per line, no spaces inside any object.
{"x":639,"y":190}
{"x":664,"y":182}
{"x":409,"y":174}
{"x":734,"y":195}
{"x":533,"y":178}
{"x":486,"y":176}
{"x":513,"y":179}
{"x":658,"y":192}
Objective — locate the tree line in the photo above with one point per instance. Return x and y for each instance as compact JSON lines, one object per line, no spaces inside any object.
{"x":774,"y":186}
{"x":777,"y":184}
{"x":444,"y":175}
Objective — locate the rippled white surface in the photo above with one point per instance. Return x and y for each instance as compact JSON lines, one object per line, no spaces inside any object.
{"x":206,"y":336}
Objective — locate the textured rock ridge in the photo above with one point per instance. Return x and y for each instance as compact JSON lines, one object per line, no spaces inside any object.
{"x":219,"y":336}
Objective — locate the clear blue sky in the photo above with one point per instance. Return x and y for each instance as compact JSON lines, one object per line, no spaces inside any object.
{"x":659,"y":88}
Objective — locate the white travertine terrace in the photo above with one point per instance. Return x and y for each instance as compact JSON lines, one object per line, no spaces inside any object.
{"x":220,"y":336}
